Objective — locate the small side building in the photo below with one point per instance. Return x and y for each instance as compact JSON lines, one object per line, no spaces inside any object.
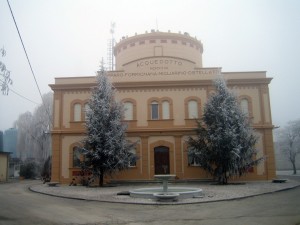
{"x":4,"y":162}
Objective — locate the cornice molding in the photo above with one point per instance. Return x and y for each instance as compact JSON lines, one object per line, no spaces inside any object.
{"x":154,"y":131}
{"x":162,"y":84}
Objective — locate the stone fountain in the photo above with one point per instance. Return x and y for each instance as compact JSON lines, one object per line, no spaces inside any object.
{"x":166,"y":193}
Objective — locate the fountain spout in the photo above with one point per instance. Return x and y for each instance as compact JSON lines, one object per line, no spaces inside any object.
{"x":165,"y":178}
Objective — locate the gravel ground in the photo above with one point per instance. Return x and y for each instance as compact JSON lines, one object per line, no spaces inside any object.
{"x":211,"y":192}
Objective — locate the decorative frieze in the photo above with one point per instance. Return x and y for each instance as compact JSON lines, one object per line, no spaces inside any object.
{"x":147,"y":89}
{"x":77,"y":92}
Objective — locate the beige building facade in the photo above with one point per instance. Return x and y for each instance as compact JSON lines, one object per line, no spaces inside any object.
{"x":160,"y":79}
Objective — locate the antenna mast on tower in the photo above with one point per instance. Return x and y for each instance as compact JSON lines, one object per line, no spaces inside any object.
{"x":110,"y":47}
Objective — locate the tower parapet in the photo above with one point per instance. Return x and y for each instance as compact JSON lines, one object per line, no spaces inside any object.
{"x":158,"y":44}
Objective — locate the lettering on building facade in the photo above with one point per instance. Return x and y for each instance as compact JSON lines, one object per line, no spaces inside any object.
{"x":158,"y":62}
{"x":167,"y":73}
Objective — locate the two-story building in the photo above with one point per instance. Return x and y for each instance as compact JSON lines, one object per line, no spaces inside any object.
{"x":162,"y":83}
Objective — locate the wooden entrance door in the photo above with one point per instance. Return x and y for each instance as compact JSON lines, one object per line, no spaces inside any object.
{"x":162,"y":160}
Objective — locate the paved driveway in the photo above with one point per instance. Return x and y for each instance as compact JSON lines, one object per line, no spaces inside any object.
{"x":20,"y":206}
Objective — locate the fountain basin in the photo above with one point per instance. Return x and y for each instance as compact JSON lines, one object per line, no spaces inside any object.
{"x":182,"y":192}
{"x":169,"y":196}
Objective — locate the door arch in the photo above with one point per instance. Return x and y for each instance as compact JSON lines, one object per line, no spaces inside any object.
{"x":162,"y":160}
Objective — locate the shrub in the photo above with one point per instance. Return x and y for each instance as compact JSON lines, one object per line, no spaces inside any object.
{"x":28,"y":170}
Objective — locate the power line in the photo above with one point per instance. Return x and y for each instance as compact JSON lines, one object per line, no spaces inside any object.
{"x":22,"y":96}
{"x":28,"y":60}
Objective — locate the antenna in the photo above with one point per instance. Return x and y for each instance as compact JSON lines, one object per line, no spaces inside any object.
{"x":110,"y":47}
{"x":156,"y":24}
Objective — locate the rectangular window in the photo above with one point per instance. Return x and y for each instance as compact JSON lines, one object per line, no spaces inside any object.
{"x":193,"y":109}
{"x":245,"y":106}
{"x":86,"y":109}
{"x":193,"y":161}
{"x":77,"y":112}
{"x":166,"y":110}
{"x":132,"y":162}
{"x":76,"y":157}
{"x":154,"y":111}
{"x":128,"y":114}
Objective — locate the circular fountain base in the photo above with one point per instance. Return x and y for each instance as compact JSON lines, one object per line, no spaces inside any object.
{"x":178,"y":192}
{"x":169,"y":196}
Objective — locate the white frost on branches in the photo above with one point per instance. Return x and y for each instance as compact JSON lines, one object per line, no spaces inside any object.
{"x":5,"y":79}
{"x":225,"y":143}
{"x":105,"y":146}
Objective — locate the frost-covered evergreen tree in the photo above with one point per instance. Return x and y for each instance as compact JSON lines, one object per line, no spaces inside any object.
{"x":225,"y":142}
{"x":105,"y":147}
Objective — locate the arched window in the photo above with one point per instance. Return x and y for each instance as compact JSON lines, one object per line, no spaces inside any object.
{"x":77,"y":112}
{"x":193,"y":109}
{"x":245,"y":106}
{"x":86,"y":109}
{"x":154,"y":110}
{"x":76,"y":157}
{"x":165,"y":110}
{"x":128,"y":114}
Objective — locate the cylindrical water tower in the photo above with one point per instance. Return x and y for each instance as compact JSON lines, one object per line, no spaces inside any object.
{"x":158,"y":44}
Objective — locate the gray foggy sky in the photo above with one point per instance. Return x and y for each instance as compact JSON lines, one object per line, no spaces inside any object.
{"x":69,"y":38}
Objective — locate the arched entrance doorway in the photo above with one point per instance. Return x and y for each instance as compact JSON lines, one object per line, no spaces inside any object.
{"x":161,"y":160}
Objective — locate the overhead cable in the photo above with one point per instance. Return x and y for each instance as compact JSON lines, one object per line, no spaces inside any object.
{"x":28,"y":60}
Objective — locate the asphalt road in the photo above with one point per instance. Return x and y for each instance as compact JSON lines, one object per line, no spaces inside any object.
{"x":19,"y":206}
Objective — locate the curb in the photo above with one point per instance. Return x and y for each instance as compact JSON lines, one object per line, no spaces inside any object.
{"x":162,"y":203}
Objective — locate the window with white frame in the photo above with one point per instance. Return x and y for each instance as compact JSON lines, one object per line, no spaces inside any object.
{"x":165,"y":110}
{"x":154,"y":110}
{"x":192,"y":161}
{"x":77,"y":112}
{"x":86,"y":109}
{"x":245,"y":106}
{"x":193,"y":109}
{"x":76,"y":157}
{"x":132,"y":162}
{"x":128,"y":114}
